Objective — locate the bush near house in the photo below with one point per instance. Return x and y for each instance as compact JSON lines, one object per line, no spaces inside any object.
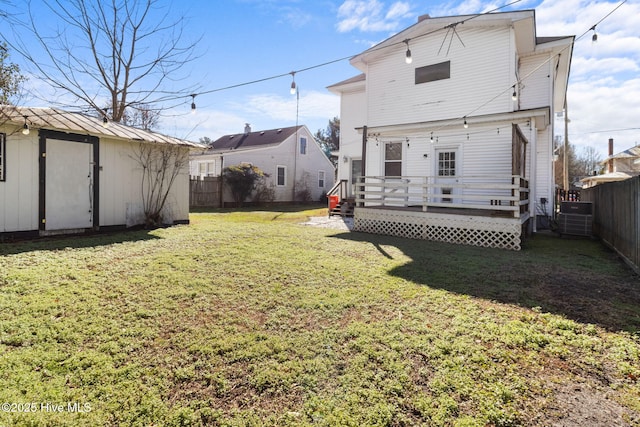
{"x":242,"y":179}
{"x":231,"y":321}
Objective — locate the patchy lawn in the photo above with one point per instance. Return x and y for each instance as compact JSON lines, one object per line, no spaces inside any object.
{"x":249,"y":319}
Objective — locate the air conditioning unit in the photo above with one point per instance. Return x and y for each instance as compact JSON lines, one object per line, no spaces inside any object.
{"x":575,"y":218}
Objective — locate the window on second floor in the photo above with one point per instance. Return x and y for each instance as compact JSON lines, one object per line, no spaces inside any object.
{"x":431,"y":73}
{"x":303,"y":145}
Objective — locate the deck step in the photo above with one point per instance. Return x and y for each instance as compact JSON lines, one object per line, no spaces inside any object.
{"x":344,"y":208}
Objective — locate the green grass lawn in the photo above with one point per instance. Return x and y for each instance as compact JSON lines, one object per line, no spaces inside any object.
{"x":249,"y":318}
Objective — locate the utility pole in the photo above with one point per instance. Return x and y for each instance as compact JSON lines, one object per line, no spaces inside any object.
{"x":565,"y":160}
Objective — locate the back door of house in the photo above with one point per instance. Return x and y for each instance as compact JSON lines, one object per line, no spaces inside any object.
{"x":68,"y":185}
{"x":447,"y":174}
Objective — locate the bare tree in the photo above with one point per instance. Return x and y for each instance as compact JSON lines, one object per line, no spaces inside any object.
{"x":161,"y":164}
{"x":118,"y":52}
{"x":589,"y":161}
{"x":142,"y":117}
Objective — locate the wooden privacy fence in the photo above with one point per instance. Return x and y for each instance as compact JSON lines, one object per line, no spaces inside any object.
{"x":205,"y":192}
{"x":616,"y":216}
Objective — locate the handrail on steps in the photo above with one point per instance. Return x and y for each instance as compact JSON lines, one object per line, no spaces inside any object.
{"x":339,"y":188}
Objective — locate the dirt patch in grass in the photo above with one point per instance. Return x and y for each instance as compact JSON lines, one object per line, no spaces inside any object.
{"x":580,"y":405}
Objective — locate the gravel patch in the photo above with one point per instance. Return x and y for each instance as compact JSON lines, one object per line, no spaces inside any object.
{"x":334,"y":222}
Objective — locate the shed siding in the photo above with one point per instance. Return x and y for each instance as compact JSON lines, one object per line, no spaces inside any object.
{"x":478,"y":72}
{"x":19,"y":193}
{"x":123,"y":188}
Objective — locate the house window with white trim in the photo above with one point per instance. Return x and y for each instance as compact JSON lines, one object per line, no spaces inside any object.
{"x":303,"y":145}
{"x":206,"y":169}
{"x":281,"y":176}
{"x":321,"y":179}
{"x":3,"y":156}
{"x":393,"y":159}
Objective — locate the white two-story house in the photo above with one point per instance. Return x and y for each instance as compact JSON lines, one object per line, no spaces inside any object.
{"x":447,"y":132}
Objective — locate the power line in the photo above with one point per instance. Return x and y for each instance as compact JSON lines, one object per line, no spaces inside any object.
{"x":373,"y":49}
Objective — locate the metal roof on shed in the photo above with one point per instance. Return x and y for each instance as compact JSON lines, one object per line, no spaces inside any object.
{"x":66,"y":121}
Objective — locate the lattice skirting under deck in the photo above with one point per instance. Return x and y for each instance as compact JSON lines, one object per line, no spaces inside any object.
{"x":505,"y":233}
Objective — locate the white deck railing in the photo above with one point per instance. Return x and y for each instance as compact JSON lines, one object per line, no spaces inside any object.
{"x":509,"y":193}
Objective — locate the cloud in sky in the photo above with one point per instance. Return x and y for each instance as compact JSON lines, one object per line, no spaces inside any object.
{"x":371,"y":15}
{"x":603,"y":89}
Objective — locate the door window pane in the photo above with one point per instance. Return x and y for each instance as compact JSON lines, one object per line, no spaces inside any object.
{"x":447,"y":163}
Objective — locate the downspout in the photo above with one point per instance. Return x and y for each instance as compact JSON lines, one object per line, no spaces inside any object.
{"x":364,"y":161}
{"x":533,"y":188}
{"x":364,"y":150}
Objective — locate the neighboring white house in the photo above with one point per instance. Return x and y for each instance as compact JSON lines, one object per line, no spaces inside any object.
{"x":447,"y":133}
{"x":296,"y":166}
{"x":66,"y":172}
{"x":618,"y":167}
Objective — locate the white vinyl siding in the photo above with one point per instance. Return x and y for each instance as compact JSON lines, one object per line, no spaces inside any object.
{"x":478,"y":72}
{"x":535,"y":91}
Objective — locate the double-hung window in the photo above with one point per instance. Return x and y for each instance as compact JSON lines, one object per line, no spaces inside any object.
{"x":281,"y":176}
{"x":303,"y":145}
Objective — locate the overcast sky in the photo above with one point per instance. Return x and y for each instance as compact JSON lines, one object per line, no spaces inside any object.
{"x":247,"y":40}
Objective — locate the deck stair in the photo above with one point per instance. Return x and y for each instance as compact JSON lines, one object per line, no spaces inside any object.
{"x":339,"y":203}
{"x":344,"y":208}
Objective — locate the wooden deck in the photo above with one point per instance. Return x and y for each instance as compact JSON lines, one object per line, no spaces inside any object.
{"x":450,"y":211}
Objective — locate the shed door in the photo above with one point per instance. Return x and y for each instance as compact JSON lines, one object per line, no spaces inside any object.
{"x":447,"y":174}
{"x":69,"y":185}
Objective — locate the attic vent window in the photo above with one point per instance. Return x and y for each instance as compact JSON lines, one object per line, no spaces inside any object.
{"x":279,"y":130}
{"x":262,"y":133}
{"x":432,"y":73}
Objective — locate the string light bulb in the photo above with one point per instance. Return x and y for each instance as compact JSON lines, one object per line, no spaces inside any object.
{"x":465,"y":124}
{"x":193,"y":103}
{"x":594,"y":37}
{"x":408,"y":59}
{"x":431,"y":139}
{"x":514,"y":95}
{"x":293,"y":83}
{"x":25,"y":127}
{"x":105,"y":119}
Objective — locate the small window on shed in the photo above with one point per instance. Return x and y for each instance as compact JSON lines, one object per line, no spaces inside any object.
{"x":3,"y":156}
{"x":321,"y":179}
{"x":431,"y":73}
